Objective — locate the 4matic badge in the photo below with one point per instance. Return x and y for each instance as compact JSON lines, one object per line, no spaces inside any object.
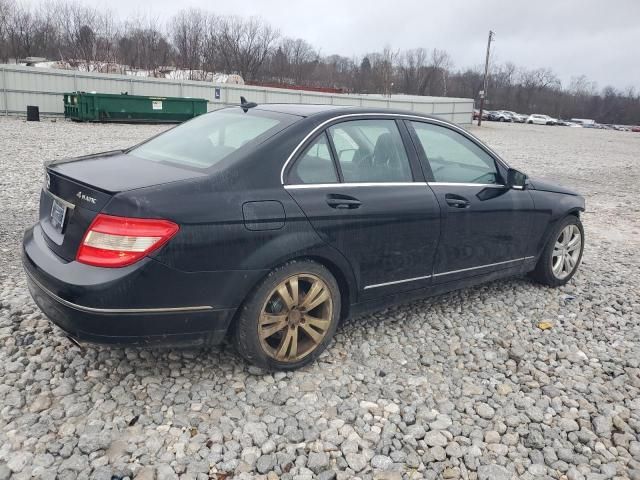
{"x":86,"y":198}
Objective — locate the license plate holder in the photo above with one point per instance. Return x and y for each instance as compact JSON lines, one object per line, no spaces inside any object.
{"x":58,"y":215}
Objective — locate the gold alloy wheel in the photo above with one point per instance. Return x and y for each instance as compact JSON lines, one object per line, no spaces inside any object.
{"x":295,"y":318}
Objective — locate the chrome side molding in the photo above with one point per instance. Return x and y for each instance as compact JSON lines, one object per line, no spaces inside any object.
{"x":414,"y":279}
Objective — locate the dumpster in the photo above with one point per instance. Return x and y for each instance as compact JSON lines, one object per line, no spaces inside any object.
{"x":108,"y":107}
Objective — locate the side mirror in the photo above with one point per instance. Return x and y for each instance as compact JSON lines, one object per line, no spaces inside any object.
{"x":516,"y":179}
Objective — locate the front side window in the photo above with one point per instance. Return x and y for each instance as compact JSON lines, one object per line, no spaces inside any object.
{"x":454,"y":158}
{"x":208,"y":139}
{"x":315,"y":165}
{"x":370,"y":151}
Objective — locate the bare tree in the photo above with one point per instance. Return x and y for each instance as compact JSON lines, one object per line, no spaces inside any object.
{"x":188,"y":30}
{"x":21,"y":33}
{"x":47,"y":31}
{"x":383,"y":66}
{"x":87,"y":35}
{"x":211,"y":57}
{"x":532,"y":82}
{"x":411,"y":68}
{"x":336,"y":72}
{"x":143,"y":46}
{"x":7,"y":7}
{"x":440,"y":65}
{"x":245,"y":44}
{"x":302,"y":59}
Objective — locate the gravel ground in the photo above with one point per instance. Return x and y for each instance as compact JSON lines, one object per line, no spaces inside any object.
{"x":460,"y":386}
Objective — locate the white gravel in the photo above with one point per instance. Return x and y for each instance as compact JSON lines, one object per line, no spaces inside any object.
{"x":460,"y":386}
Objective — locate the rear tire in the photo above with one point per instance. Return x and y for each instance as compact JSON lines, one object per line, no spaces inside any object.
{"x":290,"y":317}
{"x":562,"y":255}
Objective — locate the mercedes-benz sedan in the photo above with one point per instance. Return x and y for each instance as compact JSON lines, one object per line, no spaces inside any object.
{"x":270,"y":224}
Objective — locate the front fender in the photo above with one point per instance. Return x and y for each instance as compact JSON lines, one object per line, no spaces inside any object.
{"x":551,"y":208}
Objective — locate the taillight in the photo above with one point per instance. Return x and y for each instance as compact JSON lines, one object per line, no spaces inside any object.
{"x":119,"y":241}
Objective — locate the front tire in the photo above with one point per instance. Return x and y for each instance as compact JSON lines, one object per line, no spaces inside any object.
{"x":290,"y":318}
{"x":562,"y":255}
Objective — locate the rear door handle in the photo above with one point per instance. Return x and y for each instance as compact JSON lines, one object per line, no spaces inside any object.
{"x":456,"y":201}
{"x":343,"y":202}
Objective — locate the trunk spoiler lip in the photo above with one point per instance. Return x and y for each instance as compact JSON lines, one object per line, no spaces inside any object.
{"x":62,"y":161}
{"x":55,"y":172}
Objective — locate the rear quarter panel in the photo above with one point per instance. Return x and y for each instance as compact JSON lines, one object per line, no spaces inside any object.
{"x":214,"y":235}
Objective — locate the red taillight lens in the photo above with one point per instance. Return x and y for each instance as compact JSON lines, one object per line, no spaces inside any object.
{"x":119,"y":241}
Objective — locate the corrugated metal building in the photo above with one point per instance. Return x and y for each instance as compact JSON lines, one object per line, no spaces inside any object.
{"x":21,"y":86}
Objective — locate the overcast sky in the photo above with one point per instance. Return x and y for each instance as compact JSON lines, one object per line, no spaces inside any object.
{"x":598,"y":38}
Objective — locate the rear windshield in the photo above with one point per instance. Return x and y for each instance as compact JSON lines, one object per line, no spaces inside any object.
{"x":208,"y":139}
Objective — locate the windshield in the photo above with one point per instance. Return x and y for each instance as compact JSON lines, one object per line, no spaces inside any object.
{"x":206,"y":140}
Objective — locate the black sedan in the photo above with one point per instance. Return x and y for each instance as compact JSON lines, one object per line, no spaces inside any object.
{"x":269,"y":224}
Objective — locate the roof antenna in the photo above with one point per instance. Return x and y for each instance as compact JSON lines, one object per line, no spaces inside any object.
{"x":246,"y":105}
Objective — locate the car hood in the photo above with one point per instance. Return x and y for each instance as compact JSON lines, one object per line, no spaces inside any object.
{"x":539,"y":184}
{"x":118,"y":171}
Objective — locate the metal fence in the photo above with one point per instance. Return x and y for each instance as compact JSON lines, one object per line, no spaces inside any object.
{"x":22,"y":86}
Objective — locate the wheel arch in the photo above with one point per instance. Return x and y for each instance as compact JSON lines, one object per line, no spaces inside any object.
{"x":542,"y":273}
{"x":576,"y":211}
{"x":552,"y":226}
{"x":347,"y":287}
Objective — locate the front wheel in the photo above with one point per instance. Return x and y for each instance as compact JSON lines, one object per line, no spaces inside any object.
{"x":290,"y":318}
{"x":562,"y":254}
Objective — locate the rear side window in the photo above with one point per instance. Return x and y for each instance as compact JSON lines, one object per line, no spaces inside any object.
{"x":454,"y":158}
{"x":371,"y":151}
{"x":315,"y":165}
{"x":206,"y":140}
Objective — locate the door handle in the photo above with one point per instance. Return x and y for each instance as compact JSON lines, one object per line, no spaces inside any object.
{"x":343,"y":202}
{"x":456,"y":201}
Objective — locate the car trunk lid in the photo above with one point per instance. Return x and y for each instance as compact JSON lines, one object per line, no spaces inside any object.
{"x":77,"y":190}
{"x":120,"y":171}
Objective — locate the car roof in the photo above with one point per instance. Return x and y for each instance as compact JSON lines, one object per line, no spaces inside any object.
{"x":299,"y":109}
{"x":310,"y":110}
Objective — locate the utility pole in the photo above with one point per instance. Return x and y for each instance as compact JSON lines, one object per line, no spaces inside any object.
{"x":483,"y":93}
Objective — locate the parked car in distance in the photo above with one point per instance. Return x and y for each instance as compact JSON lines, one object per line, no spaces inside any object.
{"x":516,"y":117}
{"x":539,"y":119}
{"x":272,"y":223}
{"x":635,"y":129}
{"x":584,"y":121}
{"x":476,"y":114}
{"x":499,"y":116}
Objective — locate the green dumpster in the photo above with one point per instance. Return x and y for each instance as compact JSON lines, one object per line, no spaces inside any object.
{"x":108,"y":107}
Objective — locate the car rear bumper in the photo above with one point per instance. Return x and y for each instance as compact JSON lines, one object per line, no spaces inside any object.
{"x":154,"y":327}
{"x":145,"y":303}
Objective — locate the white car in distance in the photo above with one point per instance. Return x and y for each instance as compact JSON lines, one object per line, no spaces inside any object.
{"x":541,"y":119}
